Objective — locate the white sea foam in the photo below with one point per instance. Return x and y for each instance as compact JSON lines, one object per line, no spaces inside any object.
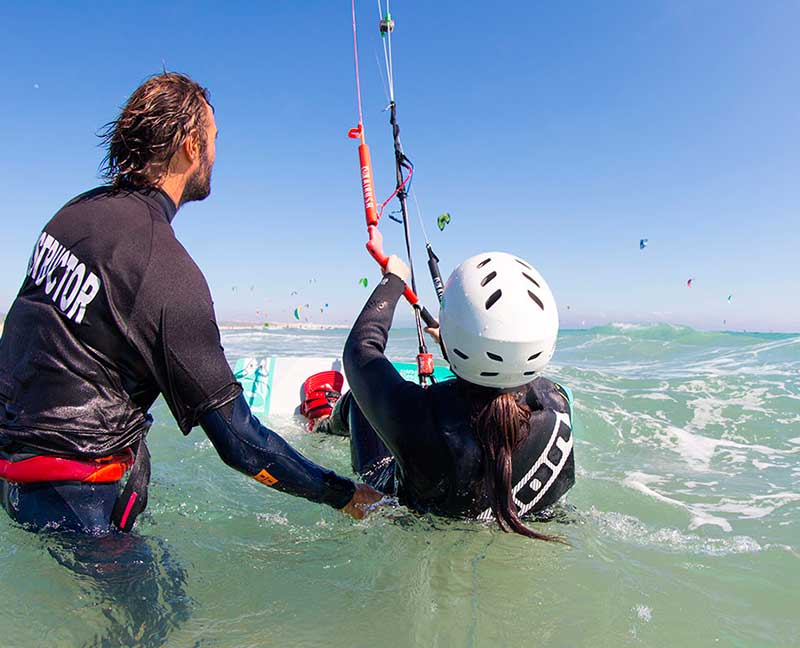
{"x":644,"y":613}
{"x":658,"y":396}
{"x":699,"y":450}
{"x":632,"y":326}
{"x":595,"y":341}
{"x":627,"y":326}
{"x":628,"y":529}
{"x":274,"y":518}
{"x":696,"y":449}
{"x":745,"y":361}
{"x":775,"y":344}
{"x":610,"y":420}
{"x":696,"y":484}
{"x":758,"y":507}
{"x":709,"y":410}
{"x":783,"y":547}
{"x":762,"y":465}
{"x":794,"y":420}
{"x":631,"y":368}
{"x":640,"y":481}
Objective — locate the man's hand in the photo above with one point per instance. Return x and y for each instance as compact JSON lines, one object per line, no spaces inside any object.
{"x":397,"y":266}
{"x":364,"y":496}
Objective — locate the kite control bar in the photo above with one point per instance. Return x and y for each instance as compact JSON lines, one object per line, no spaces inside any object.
{"x":375,"y":242}
{"x":433,"y":268}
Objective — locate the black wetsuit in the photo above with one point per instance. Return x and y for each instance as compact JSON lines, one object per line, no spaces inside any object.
{"x":419,"y":444}
{"x":113,"y":312}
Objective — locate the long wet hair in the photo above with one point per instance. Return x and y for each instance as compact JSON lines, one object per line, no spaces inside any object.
{"x":159,"y":115}
{"x":500,"y":424}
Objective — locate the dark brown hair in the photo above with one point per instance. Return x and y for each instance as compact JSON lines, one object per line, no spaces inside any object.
{"x":155,"y":121}
{"x":500,"y":425}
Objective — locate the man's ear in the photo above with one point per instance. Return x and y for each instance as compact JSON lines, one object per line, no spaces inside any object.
{"x":191,"y":146}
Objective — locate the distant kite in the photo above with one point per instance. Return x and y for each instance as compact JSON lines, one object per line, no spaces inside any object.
{"x":730,"y":298}
{"x":363,"y":281}
{"x":297,"y":313}
{"x":689,"y":283}
{"x":443,"y":220}
{"x":643,"y":243}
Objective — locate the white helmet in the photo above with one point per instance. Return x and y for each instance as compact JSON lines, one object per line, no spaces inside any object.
{"x":499,"y":320}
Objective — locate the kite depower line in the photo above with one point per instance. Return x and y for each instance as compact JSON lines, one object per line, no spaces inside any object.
{"x":401,"y":160}
{"x":404,"y":170}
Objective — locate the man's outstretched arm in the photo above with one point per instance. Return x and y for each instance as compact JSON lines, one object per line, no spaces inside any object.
{"x":252,"y":448}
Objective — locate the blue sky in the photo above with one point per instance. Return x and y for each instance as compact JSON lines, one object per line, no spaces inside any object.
{"x":563,"y":134}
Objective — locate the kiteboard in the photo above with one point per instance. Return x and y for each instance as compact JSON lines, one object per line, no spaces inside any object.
{"x":275,"y":385}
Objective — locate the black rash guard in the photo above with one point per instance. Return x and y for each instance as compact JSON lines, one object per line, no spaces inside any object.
{"x":438,"y":463}
{"x":113,"y":312}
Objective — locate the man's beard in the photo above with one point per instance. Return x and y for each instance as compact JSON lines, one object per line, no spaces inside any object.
{"x":198,"y":186}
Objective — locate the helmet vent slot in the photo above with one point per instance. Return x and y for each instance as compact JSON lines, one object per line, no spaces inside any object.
{"x":489,"y":374}
{"x":461,"y":354}
{"x":494,"y":356}
{"x":521,"y":262}
{"x":531,"y":279}
{"x":495,"y":296}
{"x":534,"y":356}
{"x":484,"y":262}
{"x":488,"y":278}
{"x":534,"y":298}
{"x":528,"y":373}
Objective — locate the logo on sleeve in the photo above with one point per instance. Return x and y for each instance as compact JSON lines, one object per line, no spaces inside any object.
{"x":65,"y":277}
{"x":265,"y":478}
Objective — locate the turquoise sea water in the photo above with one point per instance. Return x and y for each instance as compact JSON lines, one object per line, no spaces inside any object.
{"x":684,"y":526}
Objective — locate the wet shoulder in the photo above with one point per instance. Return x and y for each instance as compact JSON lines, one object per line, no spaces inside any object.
{"x":173,"y":274}
{"x":447,"y":395}
{"x":171,"y":260}
{"x":545,"y":394}
{"x":107,"y":222}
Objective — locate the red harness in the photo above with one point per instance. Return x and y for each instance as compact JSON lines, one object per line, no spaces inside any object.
{"x":44,"y":468}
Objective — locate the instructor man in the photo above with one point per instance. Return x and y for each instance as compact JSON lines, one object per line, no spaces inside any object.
{"x":113,"y":312}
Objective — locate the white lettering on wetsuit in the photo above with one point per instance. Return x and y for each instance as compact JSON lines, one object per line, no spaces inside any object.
{"x":64,"y":276}
{"x":560,"y":438}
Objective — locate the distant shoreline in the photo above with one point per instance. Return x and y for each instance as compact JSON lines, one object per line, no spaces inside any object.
{"x":277,"y":326}
{"x":311,"y":326}
{"x":272,"y":326}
